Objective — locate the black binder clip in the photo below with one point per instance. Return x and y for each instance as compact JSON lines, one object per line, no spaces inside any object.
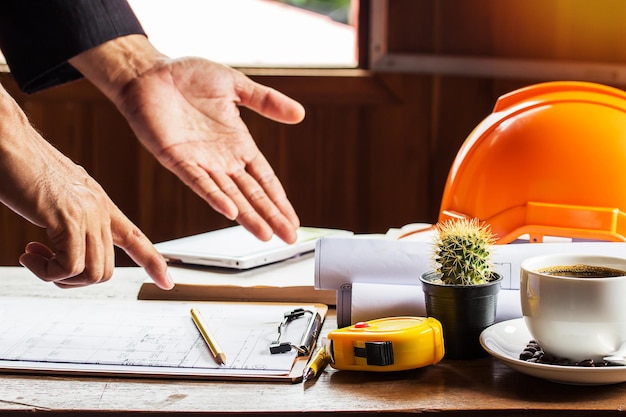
{"x":307,"y":342}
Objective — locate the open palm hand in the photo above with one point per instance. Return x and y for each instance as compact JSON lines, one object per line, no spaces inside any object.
{"x":186,"y":113}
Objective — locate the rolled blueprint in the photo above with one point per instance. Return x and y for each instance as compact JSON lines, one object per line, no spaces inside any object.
{"x":339,"y":261}
{"x":372,"y":301}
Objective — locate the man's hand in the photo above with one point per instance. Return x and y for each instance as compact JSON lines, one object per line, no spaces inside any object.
{"x":83,"y":224}
{"x":186,"y":114}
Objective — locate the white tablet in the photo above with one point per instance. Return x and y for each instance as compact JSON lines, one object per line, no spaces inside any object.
{"x":235,"y":247}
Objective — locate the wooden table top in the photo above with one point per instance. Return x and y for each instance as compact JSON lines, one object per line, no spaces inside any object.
{"x":453,"y":387}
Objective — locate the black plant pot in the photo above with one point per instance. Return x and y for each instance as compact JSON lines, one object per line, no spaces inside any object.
{"x":464,"y":312}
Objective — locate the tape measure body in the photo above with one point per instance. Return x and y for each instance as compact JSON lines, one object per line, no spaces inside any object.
{"x":388,"y":344}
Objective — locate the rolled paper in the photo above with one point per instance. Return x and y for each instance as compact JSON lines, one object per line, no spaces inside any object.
{"x":373,"y":301}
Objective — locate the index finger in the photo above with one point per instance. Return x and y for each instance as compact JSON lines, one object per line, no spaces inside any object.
{"x":136,"y":244}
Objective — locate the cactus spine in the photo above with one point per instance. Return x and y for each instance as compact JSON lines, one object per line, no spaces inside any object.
{"x":462,"y":252}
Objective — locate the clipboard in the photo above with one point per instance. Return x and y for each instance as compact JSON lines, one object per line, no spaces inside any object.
{"x":154,"y":339}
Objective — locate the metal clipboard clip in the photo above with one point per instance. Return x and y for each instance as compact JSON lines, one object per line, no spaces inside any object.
{"x":309,"y":337}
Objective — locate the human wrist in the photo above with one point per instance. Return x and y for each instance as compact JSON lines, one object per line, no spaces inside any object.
{"x":13,"y":120}
{"x":21,"y":148}
{"x":112,"y":65}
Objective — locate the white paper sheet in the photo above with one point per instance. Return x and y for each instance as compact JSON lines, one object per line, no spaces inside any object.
{"x":143,"y":337}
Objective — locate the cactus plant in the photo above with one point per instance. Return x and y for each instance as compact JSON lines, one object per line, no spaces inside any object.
{"x":462,"y":252}
{"x":462,"y":293}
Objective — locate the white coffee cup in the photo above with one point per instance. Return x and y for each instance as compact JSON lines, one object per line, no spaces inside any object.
{"x":571,"y":317}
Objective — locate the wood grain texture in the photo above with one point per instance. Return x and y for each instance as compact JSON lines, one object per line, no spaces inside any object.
{"x":479,"y":387}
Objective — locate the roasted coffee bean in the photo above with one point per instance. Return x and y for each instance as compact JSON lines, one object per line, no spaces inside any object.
{"x":546,"y":358}
{"x":525,"y":355}
{"x":534,"y":353}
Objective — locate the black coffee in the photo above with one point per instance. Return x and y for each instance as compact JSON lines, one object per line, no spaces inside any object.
{"x":582,"y":271}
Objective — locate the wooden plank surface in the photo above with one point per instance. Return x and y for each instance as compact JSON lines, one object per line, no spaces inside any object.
{"x":482,"y":387}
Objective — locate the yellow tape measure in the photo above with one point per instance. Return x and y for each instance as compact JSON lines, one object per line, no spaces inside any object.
{"x":388,"y":344}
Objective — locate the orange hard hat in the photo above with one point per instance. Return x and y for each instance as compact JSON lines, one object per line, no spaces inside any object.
{"x":550,"y":160}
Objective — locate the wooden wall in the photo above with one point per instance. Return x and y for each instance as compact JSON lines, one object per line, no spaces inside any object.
{"x":374,"y":149}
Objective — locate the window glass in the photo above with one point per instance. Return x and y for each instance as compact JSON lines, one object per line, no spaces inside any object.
{"x":253,"y":33}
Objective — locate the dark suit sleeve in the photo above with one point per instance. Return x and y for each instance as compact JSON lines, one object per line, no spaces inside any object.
{"x":37,"y":37}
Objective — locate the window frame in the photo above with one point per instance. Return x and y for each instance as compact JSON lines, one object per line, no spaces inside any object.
{"x":382,"y":59}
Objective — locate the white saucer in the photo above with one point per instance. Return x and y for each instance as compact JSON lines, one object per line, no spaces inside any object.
{"x":507,"y":339}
